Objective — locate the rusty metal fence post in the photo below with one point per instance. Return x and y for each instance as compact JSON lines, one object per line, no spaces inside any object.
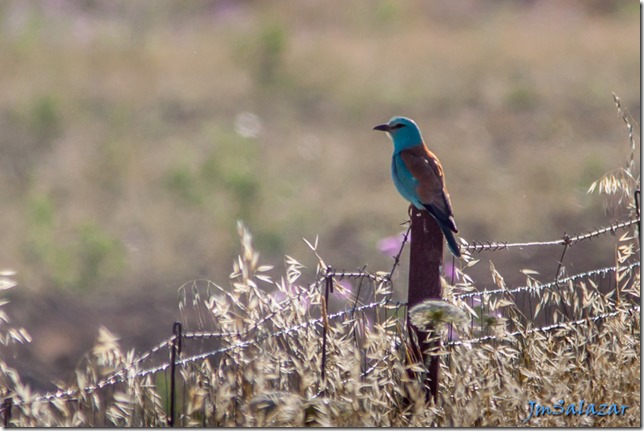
{"x":637,"y":197}
{"x":328,"y":288}
{"x":425,"y":260}
{"x":175,"y":349}
{"x":7,"y":404}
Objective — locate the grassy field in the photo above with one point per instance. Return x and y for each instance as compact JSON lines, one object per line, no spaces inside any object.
{"x":134,"y":136}
{"x":271,"y":350}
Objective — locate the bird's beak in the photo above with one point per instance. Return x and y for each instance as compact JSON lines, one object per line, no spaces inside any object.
{"x":383,"y":128}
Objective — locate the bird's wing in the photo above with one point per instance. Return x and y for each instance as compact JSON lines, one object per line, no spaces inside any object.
{"x":427,"y":170}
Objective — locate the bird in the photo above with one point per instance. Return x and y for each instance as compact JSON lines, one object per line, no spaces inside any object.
{"x":419,"y":177}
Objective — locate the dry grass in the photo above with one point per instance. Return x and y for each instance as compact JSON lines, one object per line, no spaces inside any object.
{"x":263,"y":367}
{"x":120,"y":114}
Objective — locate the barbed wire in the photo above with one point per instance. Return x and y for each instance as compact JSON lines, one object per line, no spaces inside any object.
{"x":478,"y":340}
{"x":117,"y":377}
{"x":286,"y":331}
{"x":163,"y":344}
{"x":480,"y":246}
{"x":121,"y":375}
{"x":554,"y":284}
{"x":127,"y":373}
{"x":124,"y":374}
{"x":562,"y":325}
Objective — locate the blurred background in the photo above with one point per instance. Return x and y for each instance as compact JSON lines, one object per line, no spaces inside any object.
{"x":133,"y":136}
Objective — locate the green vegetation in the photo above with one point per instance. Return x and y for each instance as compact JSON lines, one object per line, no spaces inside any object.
{"x":117,"y":103}
{"x":134,"y":136}
{"x":76,"y":261}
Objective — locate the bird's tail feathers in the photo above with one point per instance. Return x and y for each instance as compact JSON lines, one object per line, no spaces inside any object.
{"x":442,"y":217}
{"x":451,"y":241}
{"x":448,"y":227}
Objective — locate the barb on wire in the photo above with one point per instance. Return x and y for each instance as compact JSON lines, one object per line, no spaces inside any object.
{"x":357,"y":274}
{"x":480,"y":246}
{"x":563,"y":325}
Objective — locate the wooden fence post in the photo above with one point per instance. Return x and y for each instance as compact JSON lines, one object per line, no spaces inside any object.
{"x":425,"y":260}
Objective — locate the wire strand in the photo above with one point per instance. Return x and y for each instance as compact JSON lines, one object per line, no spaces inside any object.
{"x":557,"y":283}
{"x":562,"y":325}
{"x":480,"y":246}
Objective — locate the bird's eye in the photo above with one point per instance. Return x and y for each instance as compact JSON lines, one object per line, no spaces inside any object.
{"x":397,"y":126}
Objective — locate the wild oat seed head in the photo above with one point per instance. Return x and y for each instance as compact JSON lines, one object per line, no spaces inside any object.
{"x":433,"y":312}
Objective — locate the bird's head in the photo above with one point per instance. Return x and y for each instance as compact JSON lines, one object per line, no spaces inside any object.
{"x":403,"y":132}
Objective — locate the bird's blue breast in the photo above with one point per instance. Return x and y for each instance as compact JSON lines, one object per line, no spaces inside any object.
{"x":404,"y":181}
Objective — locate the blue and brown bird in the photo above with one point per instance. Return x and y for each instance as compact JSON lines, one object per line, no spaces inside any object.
{"x":418,"y":176}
